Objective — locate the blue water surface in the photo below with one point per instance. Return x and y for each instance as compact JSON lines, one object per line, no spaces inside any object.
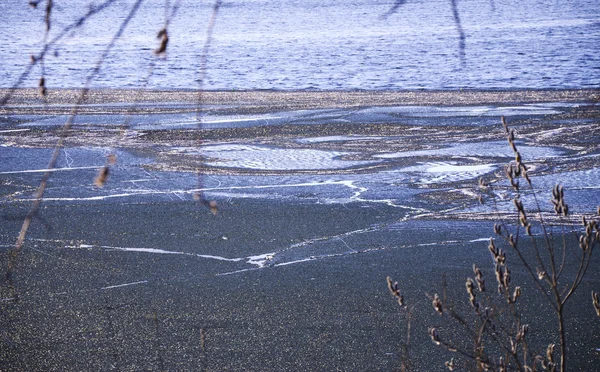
{"x":311,"y":44}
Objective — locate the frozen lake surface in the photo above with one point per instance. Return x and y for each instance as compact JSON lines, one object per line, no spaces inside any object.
{"x":318,"y":200}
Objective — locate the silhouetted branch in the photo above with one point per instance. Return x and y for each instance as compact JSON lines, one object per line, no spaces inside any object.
{"x":461,"y":32}
{"x":394,"y":8}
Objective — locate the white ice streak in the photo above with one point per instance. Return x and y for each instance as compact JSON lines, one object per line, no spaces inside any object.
{"x":13,"y":130}
{"x":49,"y":170}
{"x":448,"y":172}
{"x":350,"y":184}
{"x":337,"y":139}
{"x":236,"y":119}
{"x":125,"y":285}
{"x":259,"y":260}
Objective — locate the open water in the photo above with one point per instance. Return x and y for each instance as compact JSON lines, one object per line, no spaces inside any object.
{"x":311,"y":44}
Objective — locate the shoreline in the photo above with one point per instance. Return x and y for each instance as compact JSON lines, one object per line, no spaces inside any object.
{"x":269,"y":100}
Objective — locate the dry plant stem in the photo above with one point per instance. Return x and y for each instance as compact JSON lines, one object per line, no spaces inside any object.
{"x":405,"y":367}
{"x":202,"y":75}
{"x":40,"y":57}
{"x":52,"y":164}
{"x":506,"y":332}
{"x":558,"y":298}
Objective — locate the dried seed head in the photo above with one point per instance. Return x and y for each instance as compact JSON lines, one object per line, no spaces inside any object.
{"x":522,"y":332}
{"x":501,"y":257}
{"x":518,"y":205}
{"x":492,"y":248}
{"x":479,"y":278}
{"x":502,"y":365}
{"x":481,"y":284}
{"x":42,"y":87}
{"x":102,"y":176}
{"x":506,"y":279}
{"x":560,"y":207}
{"x":434,"y":336}
{"x":164,"y":40}
{"x":541,"y":274}
{"x":483,"y":365}
{"x":549,"y":353}
{"x":476,"y":271}
{"x":450,"y":364}
{"x":504,"y":123}
{"x":500,"y":278}
{"x":517,"y":293}
{"x":470,"y":285}
{"x":511,"y":241}
{"x":583,"y":243}
{"x":437,"y":304}
{"x":214,"y":208}
{"x":596,"y":302}
{"x":395,"y":291}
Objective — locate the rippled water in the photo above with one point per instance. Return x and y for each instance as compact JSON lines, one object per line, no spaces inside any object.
{"x":310,"y":44}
